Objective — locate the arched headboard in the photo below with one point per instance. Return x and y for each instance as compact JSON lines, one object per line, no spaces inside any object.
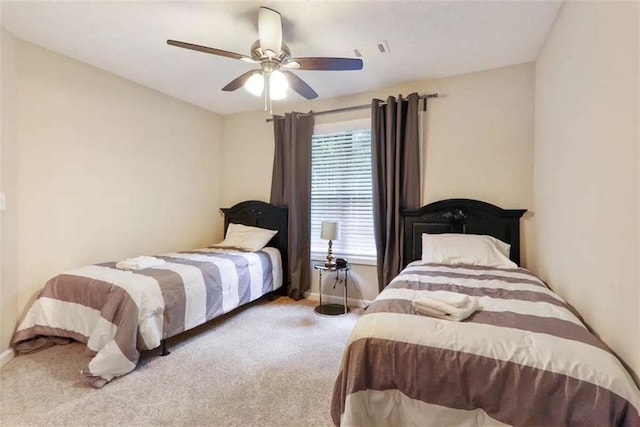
{"x":465,"y":216}
{"x":261,"y":214}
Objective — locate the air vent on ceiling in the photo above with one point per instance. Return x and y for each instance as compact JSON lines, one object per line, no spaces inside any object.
{"x":372,"y":49}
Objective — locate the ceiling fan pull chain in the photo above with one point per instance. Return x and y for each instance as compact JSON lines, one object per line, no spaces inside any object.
{"x":267,"y":92}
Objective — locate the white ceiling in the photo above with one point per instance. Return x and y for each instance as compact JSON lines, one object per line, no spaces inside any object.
{"x":427,"y":39}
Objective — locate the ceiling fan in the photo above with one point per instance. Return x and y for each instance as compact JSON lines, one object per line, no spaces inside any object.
{"x":273,"y":78}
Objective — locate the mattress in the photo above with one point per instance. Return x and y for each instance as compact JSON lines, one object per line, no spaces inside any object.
{"x":119,"y":313}
{"x":524,"y":358}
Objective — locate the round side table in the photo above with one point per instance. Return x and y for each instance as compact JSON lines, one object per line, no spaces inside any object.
{"x":332,"y":309}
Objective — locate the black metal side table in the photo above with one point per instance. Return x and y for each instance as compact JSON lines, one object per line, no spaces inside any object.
{"x":332,"y":309}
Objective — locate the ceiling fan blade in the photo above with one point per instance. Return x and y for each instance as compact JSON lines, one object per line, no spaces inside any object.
{"x":239,"y":81}
{"x":299,"y":85}
{"x":270,"y":30}
{"x":324,"y":63}
{"x":211,"y":50}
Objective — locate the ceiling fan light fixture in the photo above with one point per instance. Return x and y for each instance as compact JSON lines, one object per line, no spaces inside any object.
{"x":278,"y":85}
{"x":255,"y":84}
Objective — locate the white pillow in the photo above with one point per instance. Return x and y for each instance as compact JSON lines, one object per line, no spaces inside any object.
{"x":246,"y":237}
{"x":470,"y":249}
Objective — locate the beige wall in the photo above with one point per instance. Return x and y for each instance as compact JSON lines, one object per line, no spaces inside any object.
{"x":102,"y":169}
{"x":479,"y":136}
{"x":8,"y":218}
{"x":586,"y":168}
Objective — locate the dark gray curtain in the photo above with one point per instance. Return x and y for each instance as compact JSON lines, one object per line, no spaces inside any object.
{"x":291,"y":186}
{"x":396,"y":176}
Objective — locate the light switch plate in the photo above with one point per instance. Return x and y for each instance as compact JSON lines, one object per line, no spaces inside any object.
{"x":3,"y":205}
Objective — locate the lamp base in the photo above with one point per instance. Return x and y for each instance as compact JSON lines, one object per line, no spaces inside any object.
{"x":330,"y":263}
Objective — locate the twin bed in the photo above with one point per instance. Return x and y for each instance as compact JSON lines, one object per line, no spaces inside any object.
{"x":119,"y":313}
{"x":524,"y":358}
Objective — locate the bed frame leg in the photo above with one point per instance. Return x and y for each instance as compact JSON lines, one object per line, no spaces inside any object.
{"x":165,"y":352}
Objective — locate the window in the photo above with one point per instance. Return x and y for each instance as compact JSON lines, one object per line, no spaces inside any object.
{"x":341,"y":188}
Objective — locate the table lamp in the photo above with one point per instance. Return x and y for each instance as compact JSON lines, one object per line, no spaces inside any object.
{"x":329,"y":231}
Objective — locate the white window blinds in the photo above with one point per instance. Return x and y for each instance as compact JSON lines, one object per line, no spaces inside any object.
{"x":341,"y":188}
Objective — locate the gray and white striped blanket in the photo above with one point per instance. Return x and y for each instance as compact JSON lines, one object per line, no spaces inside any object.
{"x":523,"y":359}
{"x":118,"y":313}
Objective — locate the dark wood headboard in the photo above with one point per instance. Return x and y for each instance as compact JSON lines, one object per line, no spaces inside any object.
{"x":465,"y":216}
{"x":264,"y":215}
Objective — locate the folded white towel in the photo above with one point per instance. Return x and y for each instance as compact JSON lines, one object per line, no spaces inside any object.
{"x":453,"y":299}
{"x":139,"y":263}
{"x":442,"y":310}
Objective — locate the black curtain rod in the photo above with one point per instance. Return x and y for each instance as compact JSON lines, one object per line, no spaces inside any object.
{"x":355,"y":107}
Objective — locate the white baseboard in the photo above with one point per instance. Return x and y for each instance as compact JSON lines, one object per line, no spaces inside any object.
{"x":6,"y":356}
{"x":334,"y":299}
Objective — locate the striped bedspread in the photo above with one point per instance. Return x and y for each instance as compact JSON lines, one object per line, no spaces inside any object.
{"x":523,"y":359}
{"x":118,"y":313}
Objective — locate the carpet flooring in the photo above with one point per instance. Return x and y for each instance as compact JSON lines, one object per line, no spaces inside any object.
{"x":272,"y":363}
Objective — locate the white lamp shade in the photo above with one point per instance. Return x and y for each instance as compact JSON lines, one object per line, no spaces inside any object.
{"x":329,"y":230}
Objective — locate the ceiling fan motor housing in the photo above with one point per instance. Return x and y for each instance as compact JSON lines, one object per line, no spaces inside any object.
{"x":257,"y":54}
